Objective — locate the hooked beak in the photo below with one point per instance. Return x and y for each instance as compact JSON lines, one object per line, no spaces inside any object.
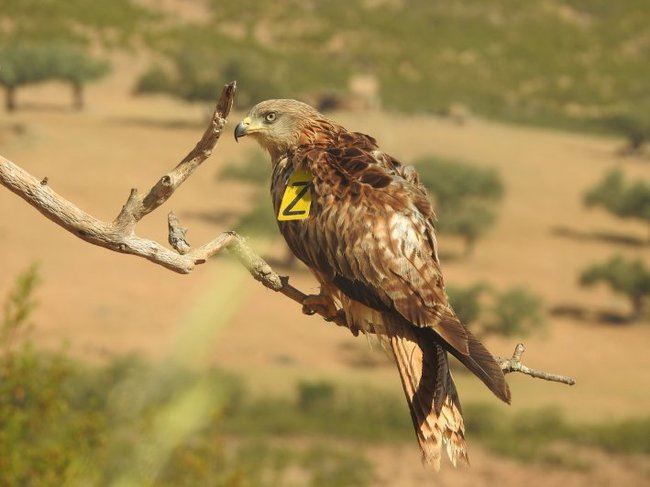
{"x":242,"y":128}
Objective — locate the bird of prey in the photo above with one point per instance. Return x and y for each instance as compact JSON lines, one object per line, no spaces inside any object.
{"x":363,"y":223}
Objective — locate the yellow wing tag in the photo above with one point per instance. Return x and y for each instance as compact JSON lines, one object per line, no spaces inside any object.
{"x":296,"y":200}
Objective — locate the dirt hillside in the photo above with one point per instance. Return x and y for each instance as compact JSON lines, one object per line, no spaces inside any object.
{"x":103,"y":303}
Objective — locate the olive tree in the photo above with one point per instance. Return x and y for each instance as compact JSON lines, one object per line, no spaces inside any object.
{"x":620,"y":197}
{"x":634,"y":128}
{"x":20,"y":65}
{"x":631,"y":278}
{"x":75,"y":67}
{"x":465,"y":195}
{"x":513,"y":311}
{"x":192,"y":72}
{"x":23,"y":64}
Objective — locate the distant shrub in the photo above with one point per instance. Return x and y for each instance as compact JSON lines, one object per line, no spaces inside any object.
{"x":624,"y":436}
{"x":530,"y":436}
{"x":155,"y":80}
{"x":621,"y":198}
{"x":516,"y":311}
{"x":630,"y":278}
{"x":315,"y":395}
{"x":196,"y":73}
{"x":370,"y":415}
{"x":467,"y":302}
{"x":465,"y":196}
{"x":255,"y":170}
{"x":22,"y":64}
{"x":527,"y":437}
{"x":259,"y":221}
{"x":634,"y":128}
{"x":77,"y":68}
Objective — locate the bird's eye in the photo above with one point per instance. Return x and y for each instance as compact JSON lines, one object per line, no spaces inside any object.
{"x":270,"y":117}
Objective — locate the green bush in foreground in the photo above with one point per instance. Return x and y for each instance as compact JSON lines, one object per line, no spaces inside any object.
{"x":129,"y":422}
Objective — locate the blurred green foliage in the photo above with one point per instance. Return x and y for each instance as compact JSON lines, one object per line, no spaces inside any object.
{"x":467,"y":302}
{"x":631,"y":278}
{"x":620,"y":197}
{"x":259,"y":221}
{"x":77,"y":68}
{"x":324,"y":409}
{"x":512,"y":312}
{"x":19,"y":306}
{"x":29,"y":63}
{"x":155,"y":79}
{"x":130,"y":422}
{"x":635,"y":127}
{"x":255,"y":170}
{"x":571,"y":64}
{"x":516,"y":312}
{"x":465,"y":196}
{"x":112,"y":23}
{"x":200,"y":59}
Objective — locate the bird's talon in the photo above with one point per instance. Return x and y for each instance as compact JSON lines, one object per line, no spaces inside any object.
{"x":309,"y":311}
{"x":320,"y":304}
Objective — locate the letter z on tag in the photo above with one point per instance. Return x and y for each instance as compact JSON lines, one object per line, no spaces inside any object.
{"x":296,"y":200}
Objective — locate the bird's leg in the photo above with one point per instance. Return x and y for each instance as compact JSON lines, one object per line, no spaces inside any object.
{"x":322,"y":304}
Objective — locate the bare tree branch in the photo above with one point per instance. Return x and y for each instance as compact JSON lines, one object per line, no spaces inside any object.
{"x":119,"y":235}
{"x":514,"y":364}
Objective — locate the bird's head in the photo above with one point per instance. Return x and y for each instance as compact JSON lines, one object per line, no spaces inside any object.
{"x":276,"y":124}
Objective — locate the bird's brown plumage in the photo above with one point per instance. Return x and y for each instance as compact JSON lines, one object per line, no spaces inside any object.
{"x":370,"y":240}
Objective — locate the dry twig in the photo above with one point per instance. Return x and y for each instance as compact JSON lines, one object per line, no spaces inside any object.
{"x":119,"y":235}
{"x":514,"y":364}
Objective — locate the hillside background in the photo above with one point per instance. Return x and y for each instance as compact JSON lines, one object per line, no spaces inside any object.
{"x":119,"y":372}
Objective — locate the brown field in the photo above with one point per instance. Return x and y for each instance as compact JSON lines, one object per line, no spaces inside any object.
{"x":103,"y":303}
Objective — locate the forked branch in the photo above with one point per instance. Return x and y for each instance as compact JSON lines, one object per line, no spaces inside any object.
{"x":119,"y":235}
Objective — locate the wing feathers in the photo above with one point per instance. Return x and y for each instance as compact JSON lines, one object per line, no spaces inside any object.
{"x":484,"y":366}
{"x":371,"y":231}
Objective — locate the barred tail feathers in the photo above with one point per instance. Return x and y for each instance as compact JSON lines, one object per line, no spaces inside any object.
{"x":431,"y":395}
